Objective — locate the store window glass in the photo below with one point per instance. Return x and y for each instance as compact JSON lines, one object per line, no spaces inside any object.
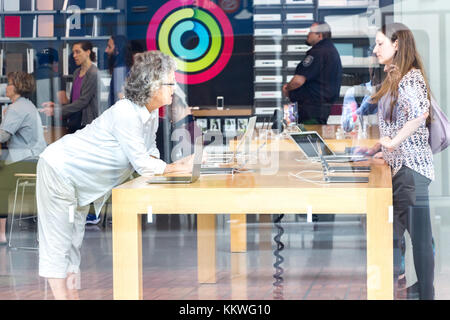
{"x":223,"y":149}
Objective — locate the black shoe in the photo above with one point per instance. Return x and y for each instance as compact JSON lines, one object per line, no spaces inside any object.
{"x":412,"y":292}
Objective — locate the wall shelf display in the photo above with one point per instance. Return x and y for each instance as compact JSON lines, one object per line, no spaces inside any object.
{"x":28,"y":39}
{"x":44,"y":25}
{"x":42,"y":4}
{"x":93,"y":11}
{"x":12,"y":27}
{"x":230,"y":126}
{"x":214,"y":124}
{"x":242,"y":125}
{"x":51,"y":23}
{"x":268,"y":79}
{"x":266,"y":17}
{"x":280,"y":29}
{"x":35,"y":12}
{"x":268,"y":32}
{"x":268,"y":48}
{"x":11,"y":5}
{"x":346,"y":4}
{"x":89,"y":38}
{"x":277,"y":63}
{"x":353,"y":34}
{"x":202,"y":124}
{"x":266,"y":2}
{"x":212,"y":121}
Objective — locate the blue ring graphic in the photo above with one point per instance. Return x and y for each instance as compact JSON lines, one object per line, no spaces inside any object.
{"x":189,"y":54}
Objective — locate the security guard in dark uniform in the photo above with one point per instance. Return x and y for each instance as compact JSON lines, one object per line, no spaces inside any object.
{"x":315,"y":87}
{"x":317,"y":80}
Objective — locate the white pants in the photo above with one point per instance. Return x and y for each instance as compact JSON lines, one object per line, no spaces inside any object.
{"x":60,"y":237}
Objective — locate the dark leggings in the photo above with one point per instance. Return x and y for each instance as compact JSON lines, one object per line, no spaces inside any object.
{"x":8,"y":181}
{"x":412,"y":213}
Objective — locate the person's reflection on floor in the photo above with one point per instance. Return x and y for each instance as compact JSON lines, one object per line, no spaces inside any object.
{"x":323,"y":231}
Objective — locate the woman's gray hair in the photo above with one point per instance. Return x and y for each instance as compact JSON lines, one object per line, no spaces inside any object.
{"x":150,"y":69}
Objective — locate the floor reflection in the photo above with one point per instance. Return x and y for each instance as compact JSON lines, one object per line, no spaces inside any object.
{"x":322,"y":260}
{"x":279,"y":246}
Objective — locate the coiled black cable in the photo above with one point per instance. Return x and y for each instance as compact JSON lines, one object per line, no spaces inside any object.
{"x":278,"y":284}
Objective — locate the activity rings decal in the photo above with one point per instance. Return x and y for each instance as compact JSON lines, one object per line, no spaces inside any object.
{"x":209,"y":24}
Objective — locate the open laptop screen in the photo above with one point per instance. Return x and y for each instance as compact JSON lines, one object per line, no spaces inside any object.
{"x":307,"y":141}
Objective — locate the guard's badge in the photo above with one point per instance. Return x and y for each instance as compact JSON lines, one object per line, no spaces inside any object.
{"x":308,"y":61}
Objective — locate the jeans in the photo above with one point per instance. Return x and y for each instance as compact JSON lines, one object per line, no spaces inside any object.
{"x":412,"y":213}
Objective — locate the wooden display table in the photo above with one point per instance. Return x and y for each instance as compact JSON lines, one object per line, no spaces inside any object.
{"x":251,"y":193}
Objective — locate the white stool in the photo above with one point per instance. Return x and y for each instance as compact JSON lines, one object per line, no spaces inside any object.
{"x":24,"y":180}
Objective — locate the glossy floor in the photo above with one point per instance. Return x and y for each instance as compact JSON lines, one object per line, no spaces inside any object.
{"x":323,"y":260}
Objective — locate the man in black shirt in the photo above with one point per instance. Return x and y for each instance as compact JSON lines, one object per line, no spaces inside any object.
{"x":315,"y":87}
{"x":317,"y":80}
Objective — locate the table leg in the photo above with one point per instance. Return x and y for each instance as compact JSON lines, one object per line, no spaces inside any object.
{"x":239,"y":276}
{"x":265,"y":232}
{"x":380,"y":271}
{"x":127,"y":253}
{"x":206,"y":248}
{"x":265,"y":253}
{"x":238,"y":232}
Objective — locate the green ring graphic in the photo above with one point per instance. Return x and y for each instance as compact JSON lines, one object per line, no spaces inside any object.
{"x":216,"y":38}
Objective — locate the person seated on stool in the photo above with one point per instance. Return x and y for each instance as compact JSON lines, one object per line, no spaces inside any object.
{"x":83,"y":167}
{"x":21,"y":129}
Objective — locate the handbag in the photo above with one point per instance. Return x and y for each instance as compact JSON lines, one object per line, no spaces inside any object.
{"x":439,"y":129}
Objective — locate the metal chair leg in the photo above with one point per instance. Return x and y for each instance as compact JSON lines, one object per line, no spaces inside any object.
{"x":24,"y":185}
{"x":21,"y":203}
{"x":13,"y":213}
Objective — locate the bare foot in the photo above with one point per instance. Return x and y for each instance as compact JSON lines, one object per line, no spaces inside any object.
{"x":73,"y":284}
{"x":73,"y":281}
{"x":73,"y":295}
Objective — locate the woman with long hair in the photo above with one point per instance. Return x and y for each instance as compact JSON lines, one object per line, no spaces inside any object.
{"x":403,"y":112}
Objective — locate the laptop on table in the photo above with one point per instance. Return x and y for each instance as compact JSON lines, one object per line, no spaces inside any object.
{"x":307,"y":140}
{"x":340,"y":179}
{"x":336,"y":179}
{"x":315,"y":150}
{"x":198,"y":154}
{"x":227,"y":157}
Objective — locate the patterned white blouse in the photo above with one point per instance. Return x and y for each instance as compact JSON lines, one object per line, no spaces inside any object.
{"x":415,"y":151}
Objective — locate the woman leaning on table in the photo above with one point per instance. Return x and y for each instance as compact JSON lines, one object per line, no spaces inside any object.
{"x":21,"y":130}
{"x":83,"y":167}
{"x":404,"y":107}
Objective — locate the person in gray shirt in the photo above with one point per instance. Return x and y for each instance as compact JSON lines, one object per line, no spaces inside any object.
{"x":21,"y":130}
